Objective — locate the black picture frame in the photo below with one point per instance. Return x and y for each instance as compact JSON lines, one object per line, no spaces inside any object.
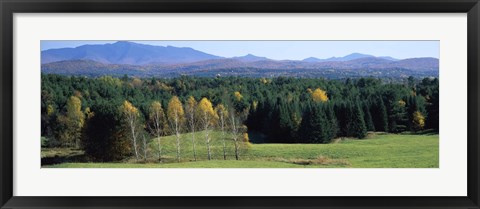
{"x":10,"y":7}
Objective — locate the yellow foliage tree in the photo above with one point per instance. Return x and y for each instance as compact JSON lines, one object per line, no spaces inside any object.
{"x":207,"y":118}
{"x":222,"y":114}
{"x":157,"y":121}
{"x":111,"y":81}
{"x":254,"y":105}
{"x":418,"y":121}
{"x":176,"y":117}
{"x":136,"y":83}
{"x":50,"y":110}
{"x":205,"y":108}
{"x":245,"y":137}
{"x":319,"y":95}
{"x":238,"y":96}
{"x":74,"y":120}
{"x":264,"y":81}
{"x":191,"y":109}
{"x":131,"y":116}
{"x":89,"y":113}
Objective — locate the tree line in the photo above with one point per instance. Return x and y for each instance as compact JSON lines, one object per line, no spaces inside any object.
{"x":112,"y":118}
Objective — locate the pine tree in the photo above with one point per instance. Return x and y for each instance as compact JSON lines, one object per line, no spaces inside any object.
{"x":332,"y":122}
{"x":315,"y":126}
{"x":379,"y":115}
{"x":368,"y":117}
{"x":357,"y":126}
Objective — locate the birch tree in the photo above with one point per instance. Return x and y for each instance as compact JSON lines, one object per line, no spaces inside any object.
{"x":319,"y":95}
{"x":235,"y":129}
{"x":145,"y":147}
{"x":207,"y":118}
{"x":71,"y":123}
{"x":157,"y":124}
{"x":222,"y":114}
{"x":176,"y":117}
{"x":131,"y":115}
{"x":75,"y":120}
{"x":190,"y":109}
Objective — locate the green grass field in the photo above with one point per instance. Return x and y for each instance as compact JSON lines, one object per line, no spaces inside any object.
{"x":377,"y":151}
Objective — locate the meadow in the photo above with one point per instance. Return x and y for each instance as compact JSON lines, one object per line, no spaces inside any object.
{"x":377,"y":150}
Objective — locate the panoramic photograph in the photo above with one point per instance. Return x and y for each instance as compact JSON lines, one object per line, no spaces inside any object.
{"x":239,"y":104}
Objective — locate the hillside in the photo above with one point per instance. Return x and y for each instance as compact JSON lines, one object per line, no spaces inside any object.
{"x":124,"y":52}
{"x":129,"y":58}
{"x":369,"y":67}
{"x":379,"y":151}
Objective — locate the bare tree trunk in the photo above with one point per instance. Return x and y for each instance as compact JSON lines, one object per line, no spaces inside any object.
{"x":207,"y":137}
{"x":158,"y":132}
{"x":235,"y":136}
{"x":144,"y":148}
{"x":222,"y":122}
{"x":159,"y":148}
{"x":134,"y":136}
{"x":177,"y":134}
{"x":191,"y":120}
{"x":237,"y":154}
{"x":193,"y":140}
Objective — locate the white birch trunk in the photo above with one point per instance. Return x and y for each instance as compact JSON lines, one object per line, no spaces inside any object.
{"x":235,"y":136}
{"x":158,"y":132}
{"x":192,"y":126}
{"x":144,"y":148}
{"x":134,"y":135}
{"x":222,"y":123}
{"x":206,"y":124}
{"x":177,"y":134}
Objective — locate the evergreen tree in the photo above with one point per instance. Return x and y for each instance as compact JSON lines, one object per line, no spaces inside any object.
{"x":368,"y":117}
{"x":357,"y":124}
{"x":315,"y":126}
{"x":379,"y":115}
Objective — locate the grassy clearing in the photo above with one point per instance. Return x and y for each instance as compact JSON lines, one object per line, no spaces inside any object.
{"x":378,"y":151}
{"x":60,"y":152}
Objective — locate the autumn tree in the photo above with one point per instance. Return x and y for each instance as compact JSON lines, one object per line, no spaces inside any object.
{"x":238,"y":96}
{"x":418,"y":121}
{"x":207,"y":118}
{"x":131,"y":116}
{"x":319,"y":95}
{"x":222,"y":113}
{"x":73,"y":120}
{"x":145,"y":147}
{"x":190,"y":112}
{"x":176,"y":117}
{"x":157,"y":124}
{"x":235,"y":127}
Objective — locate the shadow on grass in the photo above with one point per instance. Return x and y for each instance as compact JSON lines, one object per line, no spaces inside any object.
{"x":71,"y":157}
{"x":423,"y":132}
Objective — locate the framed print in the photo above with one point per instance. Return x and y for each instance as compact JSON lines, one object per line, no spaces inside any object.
{"x":265,"y":104}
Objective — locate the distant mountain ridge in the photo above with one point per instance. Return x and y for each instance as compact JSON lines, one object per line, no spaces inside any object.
{"x":250,"y":58}
{"x":124,"y":52}
{"x":134,"y":59}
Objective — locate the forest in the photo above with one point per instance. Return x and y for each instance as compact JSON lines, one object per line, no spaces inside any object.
{"x":116,"y":118}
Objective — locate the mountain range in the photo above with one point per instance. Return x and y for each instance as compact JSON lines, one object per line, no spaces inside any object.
{"x":136,"y":59}
{"x":124,"y":52}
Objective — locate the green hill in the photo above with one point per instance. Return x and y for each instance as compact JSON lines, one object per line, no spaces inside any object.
{"x":377,"y":151}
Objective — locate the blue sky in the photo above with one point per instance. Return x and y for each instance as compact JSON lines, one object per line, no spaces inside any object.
{"x":293,"y":50}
